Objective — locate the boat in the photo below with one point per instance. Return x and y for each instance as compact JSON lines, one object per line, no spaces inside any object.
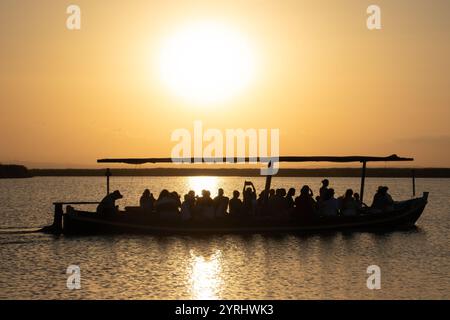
{"x":403,"y":214}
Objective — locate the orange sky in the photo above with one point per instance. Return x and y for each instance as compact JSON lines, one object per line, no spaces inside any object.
{"x":331,"y":86}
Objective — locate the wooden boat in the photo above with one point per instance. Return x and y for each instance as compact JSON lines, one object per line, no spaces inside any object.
{"x":403,"y":214}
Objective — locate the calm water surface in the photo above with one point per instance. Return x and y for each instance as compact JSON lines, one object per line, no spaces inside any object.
{"x":414,"y":264}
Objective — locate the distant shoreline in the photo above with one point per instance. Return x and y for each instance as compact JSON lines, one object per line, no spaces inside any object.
{"x":18,"y":171}
{"x":316,"y":172}
{"x":14,"y":171}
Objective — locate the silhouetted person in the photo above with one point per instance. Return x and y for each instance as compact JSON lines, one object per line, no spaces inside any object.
{"x":176,"y":198}
{"x":305,"y":206}
{"x":107,"y":206}
{"x":272,"y":202}
{"x":271,"y":193}
{"x":147,"y":200}
{"x":262,"y":203}
{"x":357,"y":200}
{"x":279,"y":205}
{"x":290,"y":198}
{"x":187,"y":207}
{"x":348,"y":204}
{"x":323,"y":192}
{"x":249,"y":195}
{"x":167,"y":202}
{"x":205,"y":205}
{"x":330,"y":205}
{"x":382,"y":200}
{"x":235,"y":204}
{"x":220,"y":204}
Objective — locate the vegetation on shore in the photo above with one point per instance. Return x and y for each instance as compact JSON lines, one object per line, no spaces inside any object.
{"x":19,"y":171}
{"x":316,"y":172}
{"x":13,"y":171}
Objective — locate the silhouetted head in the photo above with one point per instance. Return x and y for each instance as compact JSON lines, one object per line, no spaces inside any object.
{"x":271,"y":192}
{"x":356,"y":196}
{"x":163,"y":194}
{"x":349,"y":193}
{"x":203,"y":192}
{"x":191,"y":193}
{"x":291,"y":192}
{"x":116,"y":195}
{"x":325,"y":182}
{"x":236,"y":194}
{"x":305,"y":190}
{"x":220,"y":192}
{"x":146,"y":193}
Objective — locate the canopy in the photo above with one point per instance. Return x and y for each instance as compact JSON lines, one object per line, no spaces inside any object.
{"x":362,"y":159}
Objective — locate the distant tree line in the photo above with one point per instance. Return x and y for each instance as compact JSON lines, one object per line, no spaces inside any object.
{"x":316,"y":172}
{"x":13,"y":171}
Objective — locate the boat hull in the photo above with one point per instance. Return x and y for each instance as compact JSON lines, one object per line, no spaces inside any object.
{"x":404,"y":215}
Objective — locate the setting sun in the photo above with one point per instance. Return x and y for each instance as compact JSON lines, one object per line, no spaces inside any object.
{"x":206,"y":62}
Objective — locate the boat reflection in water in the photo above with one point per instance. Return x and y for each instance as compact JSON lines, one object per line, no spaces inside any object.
{"x":205,"y":275}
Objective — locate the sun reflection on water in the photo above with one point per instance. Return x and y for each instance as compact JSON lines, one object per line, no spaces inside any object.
{"x":203,"y":183}
{"x":204,"y":276}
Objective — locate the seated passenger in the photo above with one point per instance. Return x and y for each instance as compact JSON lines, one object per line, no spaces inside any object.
{"x":271,"y":193}
{"x":205,"y":206}
{"x":348,"y":204}
{"x":187,"y":207}
{"x":262,"y":203}
{"x":167,"y":205}
{"x":107,"y":206}
{"x":220,"y":204}
{"x":304,"y":204}
{"x":176,"y":198}
{"x":147,"y":200}
{"x":290,"y":198}
{"x":382,"y":200}
{"x":235,"y":205}
{"x":249,"y":195}
{"x":272,"y":202}
{"x":329,"y":206}
{"x":323,"y":192}
{"x":279,"y":205}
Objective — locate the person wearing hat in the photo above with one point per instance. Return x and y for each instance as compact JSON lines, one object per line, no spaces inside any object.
{"x":107,"y":206}
{"x":323,"y":192}
{"x":382,"y":200}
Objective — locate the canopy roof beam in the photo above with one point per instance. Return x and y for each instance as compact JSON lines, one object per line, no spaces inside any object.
{"x":250,"y":160}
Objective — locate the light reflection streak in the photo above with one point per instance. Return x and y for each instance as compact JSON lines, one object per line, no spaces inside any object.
{"x":205,"y":276}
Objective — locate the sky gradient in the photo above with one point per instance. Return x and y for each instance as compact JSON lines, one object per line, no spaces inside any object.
{"x":330,"y":85}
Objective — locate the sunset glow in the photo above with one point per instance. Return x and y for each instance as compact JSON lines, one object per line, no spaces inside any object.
{"x":206,"y":62}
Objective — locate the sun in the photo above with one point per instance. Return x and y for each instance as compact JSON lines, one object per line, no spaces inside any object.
{"x":206,"y":62}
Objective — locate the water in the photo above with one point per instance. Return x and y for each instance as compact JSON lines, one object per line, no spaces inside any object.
{"x":414,"y":264}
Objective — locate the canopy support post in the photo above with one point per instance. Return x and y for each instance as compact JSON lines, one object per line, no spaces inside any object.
{"x":108,"y":174}
{"x":363,"y":180}
{"x":58,"y":219}
{"x":413,"y":173}
{"x":267,"y":186}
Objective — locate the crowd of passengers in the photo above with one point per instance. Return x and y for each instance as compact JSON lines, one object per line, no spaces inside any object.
{"x":278,"y":202}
